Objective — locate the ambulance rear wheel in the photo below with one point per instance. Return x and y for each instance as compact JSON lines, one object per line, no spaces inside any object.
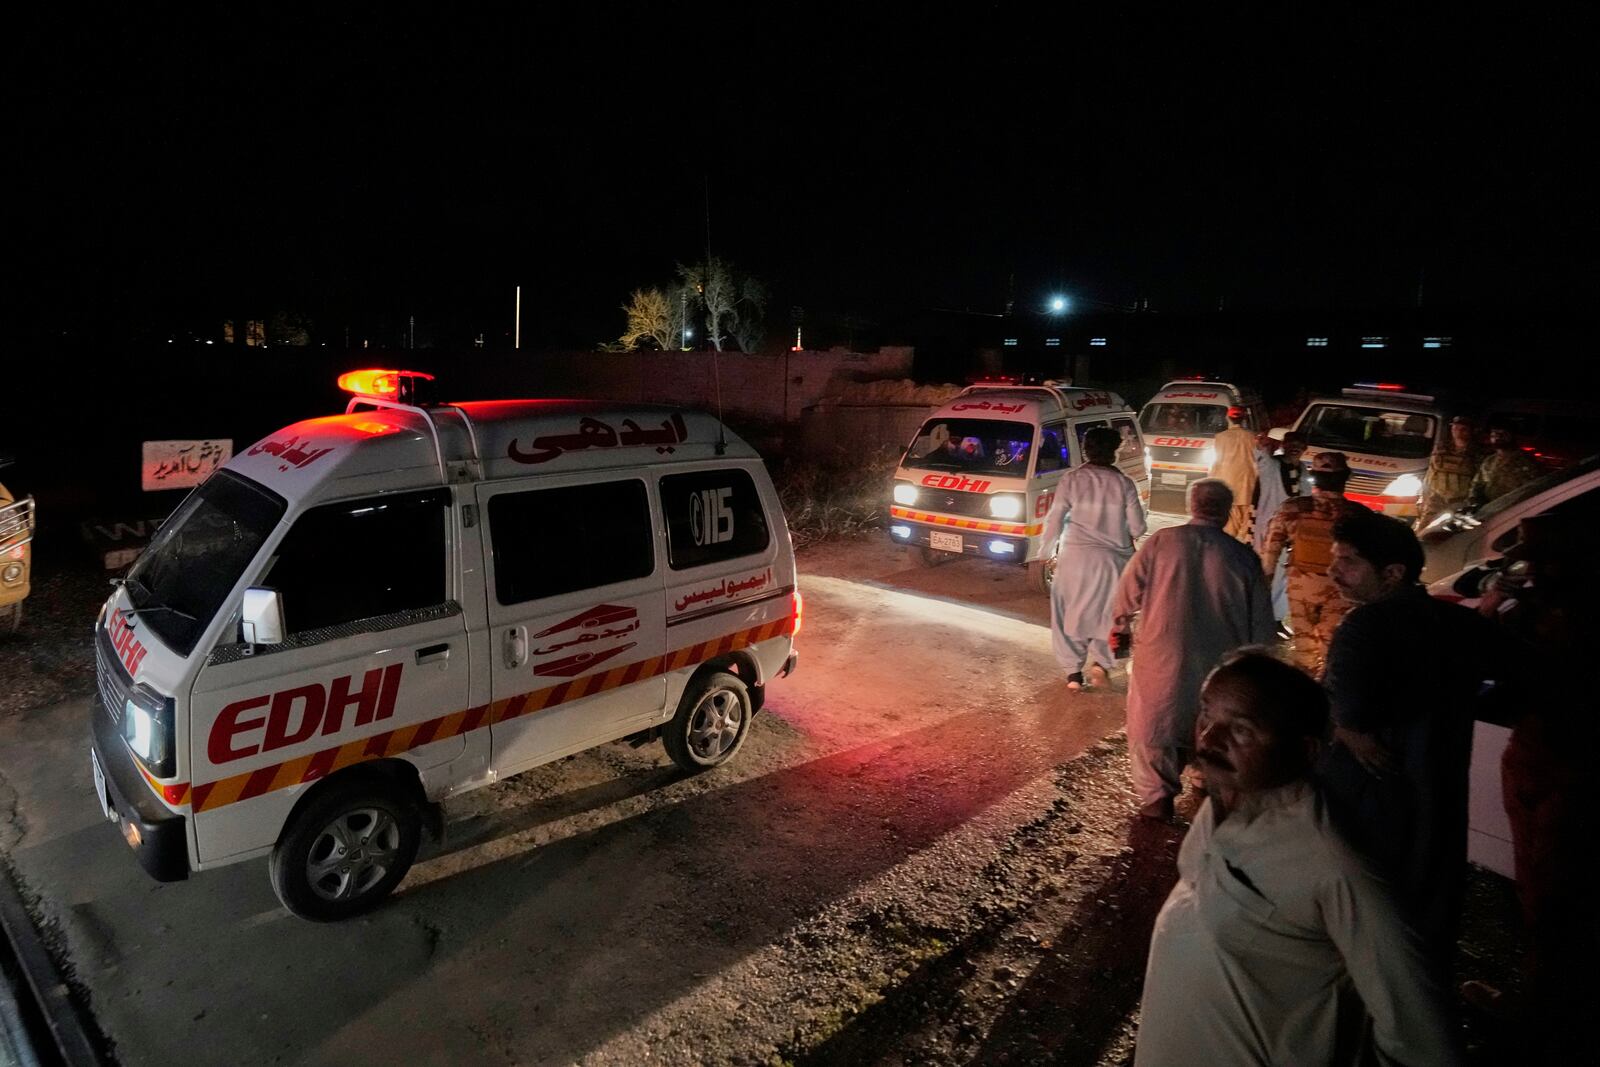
{"x":932,"y":557}
{"x":346,"y":851}
{"x":712,"y":722}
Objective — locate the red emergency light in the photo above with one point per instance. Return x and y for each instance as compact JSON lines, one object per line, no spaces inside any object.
{"x":1388,"y":387}
{"x":389,"y":384}
{"x":799,"y":612}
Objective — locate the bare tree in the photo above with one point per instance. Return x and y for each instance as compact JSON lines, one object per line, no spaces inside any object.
{"x":714,"y":282}
{"x":650,"y":315}
{"x":750,"y":327}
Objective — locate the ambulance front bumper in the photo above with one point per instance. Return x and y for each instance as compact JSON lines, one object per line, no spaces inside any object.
{"x":1011,"y":548}
{"x":157,"y":835}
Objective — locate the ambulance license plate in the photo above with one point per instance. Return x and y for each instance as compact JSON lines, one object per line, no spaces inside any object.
{"x":944,"y":542}
{"x":100,"y":785}
{"x":1173,"y":479}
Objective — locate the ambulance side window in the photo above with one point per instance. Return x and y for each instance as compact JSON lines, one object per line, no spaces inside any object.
{"x":712,"y":516}
{"x":1084,"y":427}
{"x":1052,"y":449}
{"x":1129,"y":448}
{"x":552,"y":541}
{"x":360,"y":559}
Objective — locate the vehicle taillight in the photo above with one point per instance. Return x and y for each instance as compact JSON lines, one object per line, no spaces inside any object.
{"x":799,"y":607}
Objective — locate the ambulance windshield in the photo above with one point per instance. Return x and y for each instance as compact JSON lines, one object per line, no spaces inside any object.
{"x":197,"y":557}
{"x":1375,"y":431}
{"x":1191,"y":419}
{"x":984,"y":446}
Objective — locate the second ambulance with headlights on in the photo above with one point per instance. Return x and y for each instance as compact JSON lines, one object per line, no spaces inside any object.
{"x":1179,"y":424}
{"x":979,"y":476}
{"x":363,"y":614}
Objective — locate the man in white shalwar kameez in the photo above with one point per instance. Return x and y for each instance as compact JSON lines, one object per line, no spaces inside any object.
{"x":1099,"y":506}
{"x":1278,"y":945}
{"x":1198,"y":594}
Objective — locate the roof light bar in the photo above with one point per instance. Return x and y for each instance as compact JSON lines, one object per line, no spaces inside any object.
{"x":387,"y":384}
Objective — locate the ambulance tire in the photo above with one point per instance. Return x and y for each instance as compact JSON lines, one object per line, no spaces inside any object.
{"x":711,"y":724}
{"x":11,"y":618}
{"x":347,"y":814}
{"x":1041,"y":572}
{"x":932,"y":557}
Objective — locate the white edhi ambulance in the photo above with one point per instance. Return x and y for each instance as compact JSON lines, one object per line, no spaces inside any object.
{"x":979,"y":477}
{"x":364,"y":614}
{"x":1386,"y":434}
{"x":1180,"y":423}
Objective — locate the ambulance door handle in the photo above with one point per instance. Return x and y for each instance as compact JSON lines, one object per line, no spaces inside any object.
{"x":516,"y":646}
{"x":433,"y":654}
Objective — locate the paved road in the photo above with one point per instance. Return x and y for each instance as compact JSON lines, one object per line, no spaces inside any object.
{"x":575,"y":908}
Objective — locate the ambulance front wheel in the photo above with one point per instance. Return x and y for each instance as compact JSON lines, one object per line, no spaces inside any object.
{"x":711,"y":724}
{"x":346,"y":851}
{"x":1041,"y":572}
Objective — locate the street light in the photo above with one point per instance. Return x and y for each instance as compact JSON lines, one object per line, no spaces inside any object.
{"x":1058,"y":304}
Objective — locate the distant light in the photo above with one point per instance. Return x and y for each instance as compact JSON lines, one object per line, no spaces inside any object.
{"x":1437,"y":342}
{"x":1052,"y":342}
{"x":1002,"y":548}
{"x":1316,"y":342}
{"x":900,"y":531}
{"x":208,"y":341}
{"x":688,"y":333}
{"x":1374,"y":342}
{"x":1011,"y":342}
{"x":1097,"y":342}
{"x":1058,"y":304}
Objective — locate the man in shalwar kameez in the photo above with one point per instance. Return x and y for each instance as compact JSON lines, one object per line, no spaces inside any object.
{"x":1278,"y":944}
{"x":1235,"y":463}
{"x":1198,"y":595}
{"x":1278,"y":480}
{"x":1099,"y":506}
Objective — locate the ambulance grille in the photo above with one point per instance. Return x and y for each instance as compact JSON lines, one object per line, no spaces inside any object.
{"x":953,"y":502}
{"x":109,"y":678}
{"x":1369,"y":484}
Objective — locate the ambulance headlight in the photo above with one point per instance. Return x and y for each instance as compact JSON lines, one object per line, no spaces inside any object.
{"x":1005,"y":506}
{"x":147,"y":728}
{"x":12,"y":574}
{"x":1405,"y":485}
{"x":905,"y":493}
{"x":1208,"y":456}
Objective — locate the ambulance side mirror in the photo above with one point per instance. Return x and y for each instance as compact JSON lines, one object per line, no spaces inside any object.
{"x":1277,"y":432}
{"x":261,"y":618}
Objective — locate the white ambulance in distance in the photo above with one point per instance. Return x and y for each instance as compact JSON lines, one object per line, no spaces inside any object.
{"x":1179,"y":424}
{"x":1386,"y":434}
{"x":980,"y":474}
{"x":364,"y":614}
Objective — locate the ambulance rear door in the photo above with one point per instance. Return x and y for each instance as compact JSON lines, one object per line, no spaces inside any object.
{"x":576,"y":619}
{"x":375,"y":664}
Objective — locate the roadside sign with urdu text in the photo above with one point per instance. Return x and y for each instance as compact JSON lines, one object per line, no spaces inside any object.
{"x":182,"y":464}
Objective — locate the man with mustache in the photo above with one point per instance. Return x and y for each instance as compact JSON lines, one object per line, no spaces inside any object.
{"x":1404,"y":673}
{"x":1278,"y":944}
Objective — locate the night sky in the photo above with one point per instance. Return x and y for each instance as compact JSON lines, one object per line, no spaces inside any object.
{"x":174,"y":172}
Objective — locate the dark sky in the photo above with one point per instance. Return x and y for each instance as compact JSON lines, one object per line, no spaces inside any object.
{"x":371,"y":166}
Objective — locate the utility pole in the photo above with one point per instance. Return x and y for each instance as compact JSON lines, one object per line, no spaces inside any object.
{"x":516,"y":322}
{"x":1422,"y":273}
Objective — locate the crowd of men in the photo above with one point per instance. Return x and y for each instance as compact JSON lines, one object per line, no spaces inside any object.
{"x":1318,"y":905}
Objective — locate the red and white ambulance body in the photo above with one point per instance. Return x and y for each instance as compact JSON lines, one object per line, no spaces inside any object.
{"x":1387,"y":435}
{"x":978,"y":478}
{"x":364,"y":614}
{"x":1179,"y":424}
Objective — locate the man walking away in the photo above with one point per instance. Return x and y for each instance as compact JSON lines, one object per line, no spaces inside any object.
{"x":1198,"y":594}
{"x":1278,"y":945}
{"x":1505,"y":468}
{"x":1405,"y":671}
{"x":1303,"y":527}
{"x":1236,"y":465}
{"x":1278,"y":479}
{"x":1450,"y":472}
{"x":1099,"y":506}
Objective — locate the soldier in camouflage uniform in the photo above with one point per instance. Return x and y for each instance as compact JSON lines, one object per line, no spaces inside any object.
{"x":1450,"y":472}
{"x":1303,"y":527}
{"x":1506,"y":468}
